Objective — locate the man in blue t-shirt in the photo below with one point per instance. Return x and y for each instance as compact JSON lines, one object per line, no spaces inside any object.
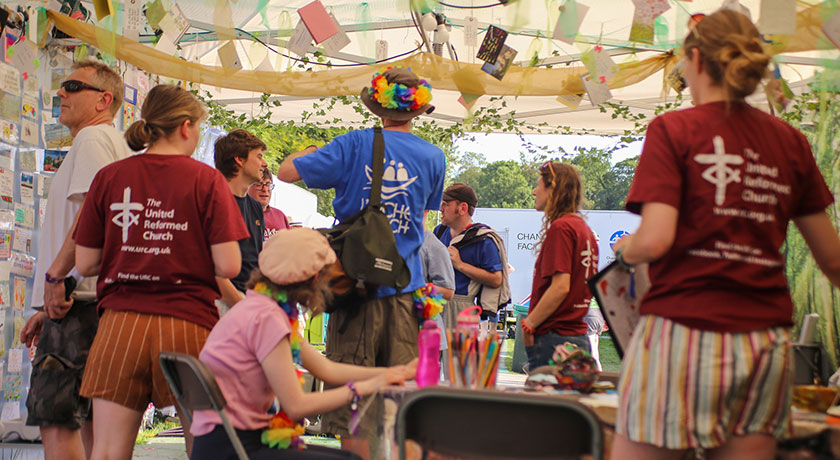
{"x":383,"y":331}
{"x":477,"y":254}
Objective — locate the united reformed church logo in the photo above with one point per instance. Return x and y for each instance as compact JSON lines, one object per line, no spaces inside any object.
{"x":125,"y":218}
{"x":719,"y":173}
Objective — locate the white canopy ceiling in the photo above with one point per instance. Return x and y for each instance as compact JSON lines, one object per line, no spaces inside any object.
{"x":607,"y":23}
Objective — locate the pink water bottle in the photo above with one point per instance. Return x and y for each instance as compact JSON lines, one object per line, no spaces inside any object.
{"x":428,"y":363}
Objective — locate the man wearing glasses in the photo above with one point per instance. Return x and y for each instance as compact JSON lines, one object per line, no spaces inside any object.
{"x":90,"y":98}
{"x":274,"y":218}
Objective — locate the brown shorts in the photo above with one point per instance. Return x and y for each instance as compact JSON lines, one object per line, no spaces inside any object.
{"x":383,"y":332}
{"x":123,"y":364}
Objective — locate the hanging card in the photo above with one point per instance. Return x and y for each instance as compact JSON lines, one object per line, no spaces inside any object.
{"x":598,"y":92}
{"x":8,"y":131}
{"x":29,"y":132}
{"x":318,"y":22}
{"x":27,"y":188}
{"x":7,"y":180}
{"x":300,"y":40}
{"x":492,"y":44}
{"x":338,"y":41}
{"x":568,"y":23}
{"x":777,"y":17}
{"x":20,"y":292}
{"x":503,"y":63}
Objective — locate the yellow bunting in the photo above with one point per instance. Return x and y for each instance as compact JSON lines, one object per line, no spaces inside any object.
{"x":441,"y":73}
{"x":223,"y":20}
{"x":106,"y":36}
{"x":103,"y":9}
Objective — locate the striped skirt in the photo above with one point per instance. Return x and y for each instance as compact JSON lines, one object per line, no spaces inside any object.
{"x":687,"y":388}
{"x":123,"y":364}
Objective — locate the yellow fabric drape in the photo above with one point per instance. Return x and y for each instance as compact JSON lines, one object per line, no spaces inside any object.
{"x":442,"y":73}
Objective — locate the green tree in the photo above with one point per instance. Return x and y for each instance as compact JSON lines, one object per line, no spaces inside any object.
{"x":817,"y":115}
{"x":501,"y":184}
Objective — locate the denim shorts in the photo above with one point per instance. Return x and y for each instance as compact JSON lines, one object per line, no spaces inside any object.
{"x":543,"y":348}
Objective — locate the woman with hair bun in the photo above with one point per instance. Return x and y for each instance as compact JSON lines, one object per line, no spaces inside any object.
{"x":709,"y":364}
{"x":157,"y":228}
{"x":568,"y":256}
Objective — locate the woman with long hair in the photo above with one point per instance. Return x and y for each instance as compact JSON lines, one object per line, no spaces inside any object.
{"x":568,"y":256}
{"x":256,"y":347}
{"x":157,"y":228}
{"x":709,"y":364}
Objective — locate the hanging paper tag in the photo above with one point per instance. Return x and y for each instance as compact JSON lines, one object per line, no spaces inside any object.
{"x":381,"y":50}
{"x":471,"y":31}
{"x":132,"y":19}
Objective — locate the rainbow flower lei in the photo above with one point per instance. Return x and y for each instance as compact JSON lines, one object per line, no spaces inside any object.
{"x":283,"y":432}
{"x":428,"y":302}
{"x":396,"y":96}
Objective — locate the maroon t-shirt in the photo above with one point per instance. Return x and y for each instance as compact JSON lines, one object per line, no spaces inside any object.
{"x":737,"y":179}
{"x":274,"y":220}
{"x":155,"y":218}
{"x":569,"y":247}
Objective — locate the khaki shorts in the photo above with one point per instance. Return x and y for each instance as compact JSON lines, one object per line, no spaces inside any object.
{"x":123,"y":365}
{"x":383,"y":332}
{"x":458,"y":304}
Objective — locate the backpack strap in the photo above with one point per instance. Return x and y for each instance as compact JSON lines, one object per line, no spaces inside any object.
{"x":378,"y":167}
{"x":440,"y":229}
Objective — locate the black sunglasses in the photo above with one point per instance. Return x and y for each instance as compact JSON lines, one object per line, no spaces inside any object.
{"x":74,"y":86}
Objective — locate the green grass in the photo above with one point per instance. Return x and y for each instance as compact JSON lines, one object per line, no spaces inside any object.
{"x":610,"y":361}
{"x":144,"y":435}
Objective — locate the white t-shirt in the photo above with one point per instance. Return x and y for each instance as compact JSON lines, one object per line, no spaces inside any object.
{"x":93,"y":148}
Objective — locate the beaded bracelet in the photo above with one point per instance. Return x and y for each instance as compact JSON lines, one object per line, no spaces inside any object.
{"x":353,"y":427}
{"x":528,"y":329}
{"x":354,"y":401}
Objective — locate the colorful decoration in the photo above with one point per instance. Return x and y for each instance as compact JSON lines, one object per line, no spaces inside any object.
{"x":574,"y":368}
{"x":282,"y":432}
{"x":399,"y":97}
{"x":428,"y":301}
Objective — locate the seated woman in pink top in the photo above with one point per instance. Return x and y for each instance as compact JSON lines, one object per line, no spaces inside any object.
{"x":255,"y":349}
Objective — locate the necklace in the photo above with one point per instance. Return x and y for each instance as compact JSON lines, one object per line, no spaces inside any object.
{"x":283,"y":432}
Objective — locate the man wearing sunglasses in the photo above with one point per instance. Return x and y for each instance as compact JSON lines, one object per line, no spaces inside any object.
{"x":274,"y":218}
{"x":90,"y":98}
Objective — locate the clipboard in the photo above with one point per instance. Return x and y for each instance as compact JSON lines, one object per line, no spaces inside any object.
{"x":619,"y":293}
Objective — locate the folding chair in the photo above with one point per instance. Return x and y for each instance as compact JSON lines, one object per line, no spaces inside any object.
{"x":195,"y":388}
{"x":495,"y":425}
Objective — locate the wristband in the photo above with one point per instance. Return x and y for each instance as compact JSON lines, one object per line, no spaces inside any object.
{"x":353,"y":426}
{"x":52,"y":280}
{"x":354,"y":400}
{"x":620,"y":259}
{"x":528,"y":329}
